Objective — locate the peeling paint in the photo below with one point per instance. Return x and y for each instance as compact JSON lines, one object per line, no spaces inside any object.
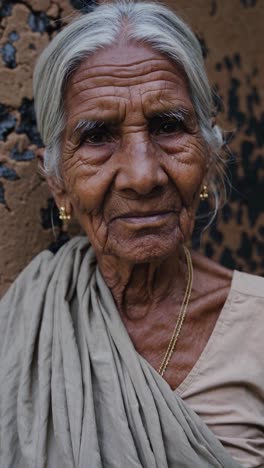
{"x":28,"y":122}
{"x":38,"y":22}
{"x":7,"y":172}
{"x":83,"y":6}
{"x":7,"y":122}
{"x":13,"y":36}
{"x":17,"y":155}
{"x":50,"y":215}
{"x":2,"y":194}
{"x":8,"y":53}
{"x":6,"y":9}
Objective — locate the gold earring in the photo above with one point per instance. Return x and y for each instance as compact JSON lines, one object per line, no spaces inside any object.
{"x":63,"y":215}
{"x":204,"y":193}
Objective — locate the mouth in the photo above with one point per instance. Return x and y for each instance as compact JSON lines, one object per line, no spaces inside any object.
{"x":145,"y":219}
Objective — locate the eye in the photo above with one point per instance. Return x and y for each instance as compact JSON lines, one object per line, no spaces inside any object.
{"x":96,"y":136}
{"x":169,"y":126}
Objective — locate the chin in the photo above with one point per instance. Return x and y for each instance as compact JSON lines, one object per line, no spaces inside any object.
{"x":146,"y":249}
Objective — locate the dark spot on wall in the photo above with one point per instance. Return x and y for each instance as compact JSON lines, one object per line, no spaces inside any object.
{"x":13,"y":36}
{"x":28,"y":122}
{"x":215,"y":234}
{"x":50,"y":215}
{"x":245,"y":249}
{"x":261,"y":231}
{"x":203,"y":45}
{"x":213,"y":8}
{"x":8,"y":173}
{"x":8,"y":52}
{"x":237,"y":60}
{"x":2,"y":194}
{"x":252,"y":265}
{"x":253,"y":99}
{"x":38,"y":22}
{"x":62,"y":238}
{"x":84,"y":6}
{"x":209,"y":250}
{"x":255,"y":203}
{"x":7,"y":122}
{"x":17,"y":155}
{"x":5,"y":8}
{"x":227,"y":259}
{"x":239,"y":215}
{"x":255,"y":128}
{"x":228,"y":63}
{"x":226,"y":213}
{"x":32,"y":47}
{"x":260,"y":249}
{"x":234,"y":113}
{"x":248,"y":3}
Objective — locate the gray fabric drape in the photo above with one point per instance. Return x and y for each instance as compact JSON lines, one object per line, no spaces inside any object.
{"x":74,"y":392}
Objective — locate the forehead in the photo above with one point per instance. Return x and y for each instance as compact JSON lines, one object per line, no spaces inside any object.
{"x":126,"y":74}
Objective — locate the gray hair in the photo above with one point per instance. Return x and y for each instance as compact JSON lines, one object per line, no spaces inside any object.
{"x":144,"y":22}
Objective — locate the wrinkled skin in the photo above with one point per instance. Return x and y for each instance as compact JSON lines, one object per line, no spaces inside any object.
{"x":133,"y":180}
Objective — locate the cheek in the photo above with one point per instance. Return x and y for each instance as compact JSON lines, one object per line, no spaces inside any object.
{"x":187,"y":167}
{"x":87,"y":202}
{"x":188,"y":180}
{"x":88,"y":187}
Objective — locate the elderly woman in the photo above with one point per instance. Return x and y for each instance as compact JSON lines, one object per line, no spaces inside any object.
{"x":126,"y":350}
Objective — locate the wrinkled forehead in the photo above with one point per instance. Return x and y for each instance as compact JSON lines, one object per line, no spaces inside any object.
{"x":127,"y":72}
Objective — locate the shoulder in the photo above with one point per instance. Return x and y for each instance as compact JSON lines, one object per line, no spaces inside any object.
{"x":41,"y":269}
{"x":45,"y":276}
{"x":248,"y":285}
{"x":209,"y":276}
{"x":245,"y":304}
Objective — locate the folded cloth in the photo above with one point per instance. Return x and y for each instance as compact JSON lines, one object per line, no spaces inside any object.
{"x":74,"y":391}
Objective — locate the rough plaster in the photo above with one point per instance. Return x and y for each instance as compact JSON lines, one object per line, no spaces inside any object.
{"x":231,"y":33}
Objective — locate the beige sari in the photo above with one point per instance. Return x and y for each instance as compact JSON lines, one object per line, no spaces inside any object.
{"x":74,"y":392}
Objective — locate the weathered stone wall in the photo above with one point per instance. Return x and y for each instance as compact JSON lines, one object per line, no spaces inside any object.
{"x":231,"y":33}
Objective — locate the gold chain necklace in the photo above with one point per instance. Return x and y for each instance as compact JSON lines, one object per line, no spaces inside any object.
{"x":181,"y":317}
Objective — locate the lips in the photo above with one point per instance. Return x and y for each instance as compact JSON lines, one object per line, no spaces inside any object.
{"x":146,"y":218}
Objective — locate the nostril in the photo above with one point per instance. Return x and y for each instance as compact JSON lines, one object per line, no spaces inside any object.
{"x":156,"y":191}
{"x":132,"y":194}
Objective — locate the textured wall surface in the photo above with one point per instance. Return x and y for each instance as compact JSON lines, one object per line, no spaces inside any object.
{"x":231,"y":33}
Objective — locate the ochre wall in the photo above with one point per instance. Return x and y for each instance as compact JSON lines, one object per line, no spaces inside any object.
{"x":231,"y":32}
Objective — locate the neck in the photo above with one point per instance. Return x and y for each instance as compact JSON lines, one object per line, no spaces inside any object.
{"x":138,"y":288}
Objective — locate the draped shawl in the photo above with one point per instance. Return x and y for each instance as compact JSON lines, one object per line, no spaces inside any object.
{"x":74,"y":391}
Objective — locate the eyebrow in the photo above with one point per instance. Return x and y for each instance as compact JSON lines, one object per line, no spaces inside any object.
{"x":179,"y":113}
{"x":85,"y":125}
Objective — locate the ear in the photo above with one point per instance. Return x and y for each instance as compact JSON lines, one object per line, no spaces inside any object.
{"x":213,"y":121}
{"x":56,"y":185}
{"x":40,"y":157}
{"x":60,"y":195}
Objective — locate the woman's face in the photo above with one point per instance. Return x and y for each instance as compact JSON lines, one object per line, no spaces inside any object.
{"x":133,"y":159}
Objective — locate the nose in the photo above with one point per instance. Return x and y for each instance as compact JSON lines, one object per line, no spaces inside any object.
{"x":140,"y":170}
